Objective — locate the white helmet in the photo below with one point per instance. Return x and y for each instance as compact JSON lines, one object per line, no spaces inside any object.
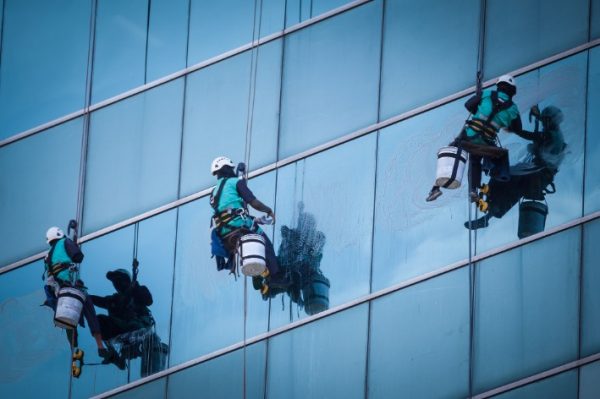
{"x":54,"y":233}
{"x":507,"y":79}
{"x":219,"y":162}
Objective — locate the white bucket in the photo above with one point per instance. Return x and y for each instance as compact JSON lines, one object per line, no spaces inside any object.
{"x":450,"y":167}
{"x":253,"y":254}
{"x":68,"y":307}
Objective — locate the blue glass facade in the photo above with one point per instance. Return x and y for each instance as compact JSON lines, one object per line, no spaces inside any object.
{"x":115,"y":110}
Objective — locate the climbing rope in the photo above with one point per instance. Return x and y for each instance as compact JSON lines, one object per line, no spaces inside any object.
{"x":248,"y":143}
{"x":473,"y":233}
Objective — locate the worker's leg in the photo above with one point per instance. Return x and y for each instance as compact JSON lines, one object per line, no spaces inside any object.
{"x":474,"y":172}
{"x":90,"y":315}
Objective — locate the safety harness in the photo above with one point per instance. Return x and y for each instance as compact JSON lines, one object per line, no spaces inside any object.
{"x":222,"y":219}
{"x":54,"y":269}
{"x":487,"y":128}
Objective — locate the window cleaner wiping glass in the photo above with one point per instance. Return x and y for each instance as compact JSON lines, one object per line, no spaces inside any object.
{"x":491,"y":110}
{"x":66,"y":293}
{"x":236,"y":233}
{"x":532,"y":178}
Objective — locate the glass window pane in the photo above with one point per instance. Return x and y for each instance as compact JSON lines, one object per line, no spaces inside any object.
{"x":561,"y":85}
{"x":595,"y":19}
{"x":530,"y":33}
{"x":216,"y":112}
{"x":146,"y":351}
{"x":35,"y":354}
{"x":562,"y":386}
{"x":322,"y":6}
{"x":412,"y":74}
{"x":229,"y":23}
{"x":223,"y":377}
{"x":38,"y":187}
{"x":589,"y":381}
{"x":155,"y":390}
{"x":133,"y":156}
{"x":120,"y":45}
{"x":331,"y":79}
{"x":590,"y":302}
{"x":526,"y":311}
{"x":208,"y":307}
{"x":413,"y":237}
{"x":592,"y":151}
{"x":300,"y":10}
{"x":272,"y":17}
{"x":420,"y":335}
{"x":317,"y":199}
{"x":167,"y":37}
{"x":47,"y":80}
{"x":329,"y":353}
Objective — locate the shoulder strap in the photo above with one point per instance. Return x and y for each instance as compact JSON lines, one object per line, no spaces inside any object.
{"x":50,"y":255}
{"x":497,"y":106}
{"x":48,"y":261}
{"x":214,"y":201}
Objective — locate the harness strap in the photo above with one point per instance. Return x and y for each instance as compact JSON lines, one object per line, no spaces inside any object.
{"x":214,"y":201}
{"x":487,"y":127}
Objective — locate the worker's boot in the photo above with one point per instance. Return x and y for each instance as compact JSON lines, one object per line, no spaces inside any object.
{"x":434,"y":194}
{"x":480,"y":223}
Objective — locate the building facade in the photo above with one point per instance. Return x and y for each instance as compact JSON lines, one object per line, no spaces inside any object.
{"x":111,"y":112}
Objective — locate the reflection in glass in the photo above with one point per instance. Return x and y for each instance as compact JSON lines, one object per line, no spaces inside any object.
{"x":128,"y":328}
{"x":559,"y":86}
{"x":592,"y":150}
{"x":300,"y":254}
{"x":531,"y":179}
{"x":336,"y":189}
{"x":134,"y":317}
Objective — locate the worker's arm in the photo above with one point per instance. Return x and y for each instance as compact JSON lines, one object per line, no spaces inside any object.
{"x":472,"y":103}
{"x":516,"y":127}
{"x":251,"y":199}
{"x":101,"y":301}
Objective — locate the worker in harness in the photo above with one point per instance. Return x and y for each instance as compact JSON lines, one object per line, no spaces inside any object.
{"x":60,"y":271}
{"x":231,"y":219}
{"x":491,"y":111}
{"x":532,"y":178}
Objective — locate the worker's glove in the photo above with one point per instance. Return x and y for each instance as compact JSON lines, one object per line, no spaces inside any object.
{"x":534,"y":112}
